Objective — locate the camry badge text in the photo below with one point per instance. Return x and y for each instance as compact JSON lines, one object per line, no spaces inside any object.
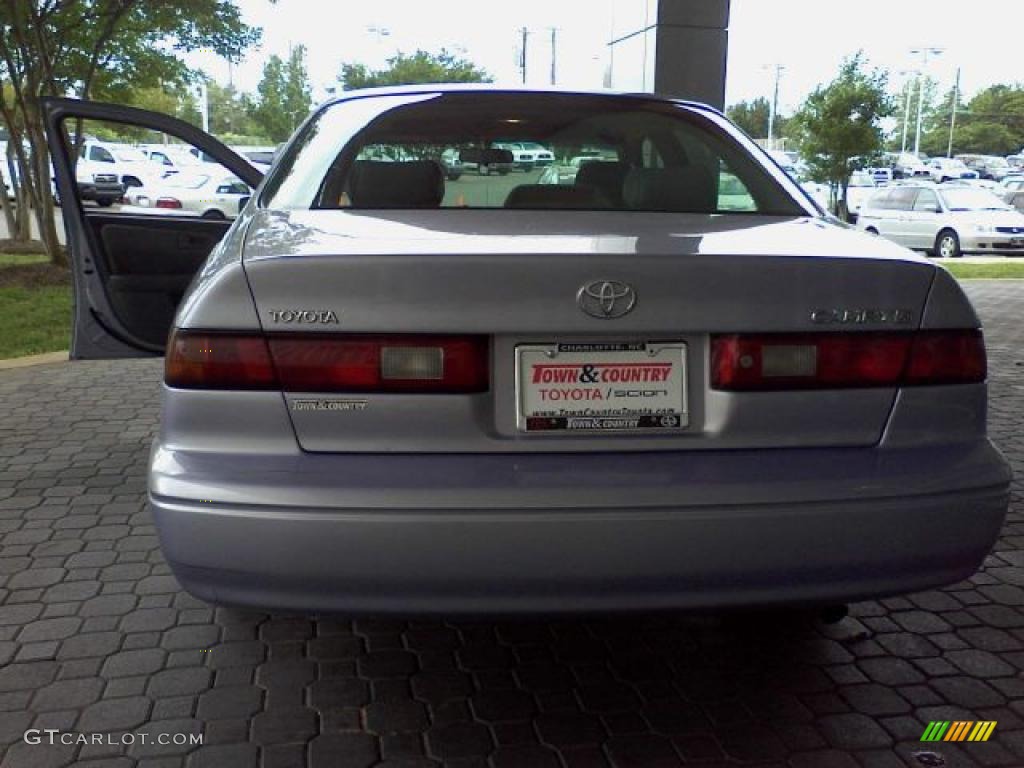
{"x":606,"y":299}
{"x":303,"y":316}
{"x":862,"y":316}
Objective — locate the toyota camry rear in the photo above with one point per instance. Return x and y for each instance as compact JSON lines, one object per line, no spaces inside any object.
{"x":664,"y":382}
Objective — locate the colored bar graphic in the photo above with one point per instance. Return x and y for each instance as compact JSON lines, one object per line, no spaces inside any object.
{"x":958,"y":730}
{"x":935,"y":730}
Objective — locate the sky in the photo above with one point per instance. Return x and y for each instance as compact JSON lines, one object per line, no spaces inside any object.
{"x":808,"y":38}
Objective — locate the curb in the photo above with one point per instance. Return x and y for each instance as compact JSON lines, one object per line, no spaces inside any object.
{"x":43,"y":359}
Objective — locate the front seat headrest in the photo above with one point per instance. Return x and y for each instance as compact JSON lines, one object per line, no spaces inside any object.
{"x":409,"y":184}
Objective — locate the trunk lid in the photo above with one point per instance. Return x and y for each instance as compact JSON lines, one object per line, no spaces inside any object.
{"x":514,"y":276}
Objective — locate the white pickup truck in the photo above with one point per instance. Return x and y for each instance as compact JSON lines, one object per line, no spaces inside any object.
{"x":130,"y":165}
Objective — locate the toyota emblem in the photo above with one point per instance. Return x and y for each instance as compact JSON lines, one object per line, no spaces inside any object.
{"x":606,"y":299}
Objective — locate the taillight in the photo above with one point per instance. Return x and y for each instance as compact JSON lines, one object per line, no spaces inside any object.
{"x":946,"y":357}
{"x":377,"y":363}
{"x":167,"y":202}
{"x":742,"y":362}
{"x":199,"y":360}
{"x":327,"y":363}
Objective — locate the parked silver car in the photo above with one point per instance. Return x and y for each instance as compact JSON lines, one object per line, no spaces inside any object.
{"x":390,"y":393}
{"x":945,"y":220}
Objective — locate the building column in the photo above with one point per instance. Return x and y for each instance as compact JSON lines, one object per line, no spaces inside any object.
{"x":670,"y":47}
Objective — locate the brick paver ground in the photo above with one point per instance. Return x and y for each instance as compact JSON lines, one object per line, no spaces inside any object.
{"x":97,"y":637}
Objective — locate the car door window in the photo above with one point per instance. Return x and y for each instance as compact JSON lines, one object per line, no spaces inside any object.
{"x":879,"y":201}
{"x":733,"y":194}
{"x":100,"y":155}
{"x":902,"y":199}
{"x":124,"y":179}
{"x":926,"y":202}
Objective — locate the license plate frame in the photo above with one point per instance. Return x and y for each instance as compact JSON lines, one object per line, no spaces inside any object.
{"x":658,"y":406}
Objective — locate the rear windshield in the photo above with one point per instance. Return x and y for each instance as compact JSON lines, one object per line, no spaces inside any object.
{"x":571,"y":151}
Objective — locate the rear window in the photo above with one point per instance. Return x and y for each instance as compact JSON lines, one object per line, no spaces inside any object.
{"x":454,"y":150}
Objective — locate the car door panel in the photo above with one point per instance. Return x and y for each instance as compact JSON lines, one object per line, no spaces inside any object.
{"x":130,"y":272}
{"x":923,"y":221}
{"x":148,"y":284}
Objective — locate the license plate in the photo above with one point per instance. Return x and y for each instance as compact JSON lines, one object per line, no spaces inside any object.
{"x":601,"y":387}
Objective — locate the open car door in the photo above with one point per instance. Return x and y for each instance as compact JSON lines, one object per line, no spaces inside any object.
{"x":136,"y":231}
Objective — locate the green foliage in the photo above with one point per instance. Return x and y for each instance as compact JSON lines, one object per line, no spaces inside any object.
{"x":170,"y":100}
{"x":284,"y":97}
{"x":991,"y":123}
{"x":99,"y":49}
{"x":231,"y":112}
{"x":419,"y":67}
{"x":1002,"y":270}
{"x":751,"y":116}
{"x":839,"y":124}
{"x":985,"y":138}
{"x":35,"y":319}
{"x":244,"y":139}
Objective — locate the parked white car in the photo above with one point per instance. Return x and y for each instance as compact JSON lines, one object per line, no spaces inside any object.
{"x":907,"y":165}
{"x":523,"y":159}
{"x":211,"y":196}
{"x":948,"y":220}
{"x":172,"y":159}
{"x":1012,"y":183}
{"x":862,"y":186}
{"x":949,"y":168}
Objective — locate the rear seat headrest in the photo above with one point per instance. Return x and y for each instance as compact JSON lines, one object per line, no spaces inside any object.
{"x":410,"y":184}
{"x":606,"y":176}
{"x":555,"y":196}
{"x":688,"y":188}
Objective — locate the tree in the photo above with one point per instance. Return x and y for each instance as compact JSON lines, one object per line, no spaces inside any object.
{"x":751,"y":116}
{"x":839,"y":125}
{"x":993,"y":122}
{"x":297,"y":98}
{"x":284,"y":95}
{"x":230,"y":111}
{"x":419,"y":67}
{"x":94,"y":48}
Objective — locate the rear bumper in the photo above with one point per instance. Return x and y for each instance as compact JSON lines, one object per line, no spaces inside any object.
{"x":92,"y":191}
{"x":429,"y":544}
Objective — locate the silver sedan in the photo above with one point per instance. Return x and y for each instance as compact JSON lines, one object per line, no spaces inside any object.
{"x":669,"y":384}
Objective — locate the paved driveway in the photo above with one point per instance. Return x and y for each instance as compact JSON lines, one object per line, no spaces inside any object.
{"x":96,"y":637}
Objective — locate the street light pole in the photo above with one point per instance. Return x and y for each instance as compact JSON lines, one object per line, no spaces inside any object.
{"x":773,"y":107}
{"x":554,"y":49}
{"x":952,"y":113}
{"x":204,"y":105}
{"x":525,"y":32}
{"x":909,"y":88}
{"x":920,"y":91}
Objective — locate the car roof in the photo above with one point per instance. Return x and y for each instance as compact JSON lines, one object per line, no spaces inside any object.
{"x":402,"y":90}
